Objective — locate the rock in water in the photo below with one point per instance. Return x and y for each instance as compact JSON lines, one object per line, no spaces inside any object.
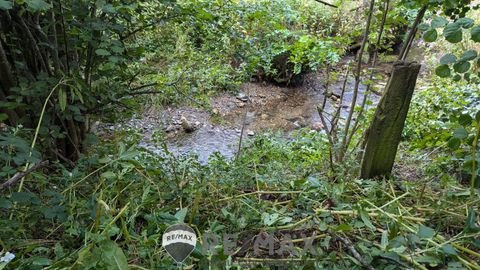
{"x":242,"y":97}
{"x":186,"y":125}
{"x":317,"y":126}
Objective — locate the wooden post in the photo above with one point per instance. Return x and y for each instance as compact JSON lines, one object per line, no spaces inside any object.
{"x":385,"y":131}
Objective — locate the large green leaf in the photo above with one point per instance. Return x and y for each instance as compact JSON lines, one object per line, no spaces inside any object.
{"x":102,"y":52}
{"x":430,"y":35}
{"x":425,"y":232}
{"x":448,"y":59}
{"x":449,"y":250}
{"x":454,"y":143}
{"x":461,"y":66}
{"x":6,"y":4}
{"x":453,"y":33}
{"x":113,"y":256}
{"x":469,"y":55}
{"x":465,"y":120}
{"x":443,"y":71}
{"x":465,"y":22}
{"x":439,"y":22}
{"x":37,"y":5}
{"x":475,"y":33}
{"x":460,"y":133}
{"x":181,"y":214}
{"x":423,"y":27}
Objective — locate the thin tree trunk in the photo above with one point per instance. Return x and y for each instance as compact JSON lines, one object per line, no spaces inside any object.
{"x":374,"y":64}
{"x":357,"y":79}
{"x":408,"y":41}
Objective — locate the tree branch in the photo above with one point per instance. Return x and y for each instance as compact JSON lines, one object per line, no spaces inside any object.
{"x":349,"y":245}
{"x":325,"y":3}
{"x":19,"y":175}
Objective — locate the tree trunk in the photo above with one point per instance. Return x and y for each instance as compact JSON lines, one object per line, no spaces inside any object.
{"x":386,"y":129}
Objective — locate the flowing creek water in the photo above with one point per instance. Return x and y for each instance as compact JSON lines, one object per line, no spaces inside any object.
{"x":262,"y":107}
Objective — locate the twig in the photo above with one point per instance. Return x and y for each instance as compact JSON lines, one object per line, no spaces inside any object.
{"x":372,"y":71}
{"x":244,"y":121}
{"x":339,"y":109}
{"x":349,"y":245}
{"x":262,"y":192}
{"x":358,"y":71}
{"x":19,"y":175}
{"x":408,"y":41}
{"x":325,"y":3}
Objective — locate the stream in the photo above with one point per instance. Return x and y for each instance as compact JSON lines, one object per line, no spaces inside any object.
{"x":263,"y":107}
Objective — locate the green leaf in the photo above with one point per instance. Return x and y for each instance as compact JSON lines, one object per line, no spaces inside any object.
{"x":462,"y":66}
{"x":453,"y":33}
{"x":40,"y":261}
{"x":465,"y":22}
{"x":469,"y":55}
{"x":425,"y":232}
{"x":37,"y":5}
{"x":423,"y":27}
{"x":448,"y":59}
{"x":113,"y":256}
{"x":443,"y":71}
{"x":4,"y":203}
{"x":181,"y":214}
{"x":454,"y":143}
{"x":430,"y":35}
{"x":439,"y":22}
{"x":432,"y":261}
{"x":102,"y":52}
{"x":3,"y":117}
{"x":108,"y":175}
{"x":56,"y":211}
{"x":460,"y":133}
{"x":344,"y":228}
{"x":475,"y":33}
{"x":449,"y":250}
{"x":457,"y":78}
{"x":6,"y":4}
{"x":465,"y":120}
{"x":270,"y":219}
{"x":25,"y":198}
{"x":471,"y":224}
{"x":477,"y":116}
{"x":108,"y":8}
{"x":366,"y":220}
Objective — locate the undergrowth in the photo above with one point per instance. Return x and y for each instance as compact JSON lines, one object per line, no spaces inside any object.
{"x":113,"y":208}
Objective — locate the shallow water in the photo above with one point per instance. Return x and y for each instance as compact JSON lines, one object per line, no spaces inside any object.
{"x":269,"y":108}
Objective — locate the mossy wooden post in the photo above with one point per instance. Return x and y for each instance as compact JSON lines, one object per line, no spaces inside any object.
{"x":385,"y":131}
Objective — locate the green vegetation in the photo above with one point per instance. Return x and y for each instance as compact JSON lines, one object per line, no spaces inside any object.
{"x":74,"y":196}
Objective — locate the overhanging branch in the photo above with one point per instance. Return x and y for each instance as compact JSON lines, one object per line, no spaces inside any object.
{"x":325,"y":3}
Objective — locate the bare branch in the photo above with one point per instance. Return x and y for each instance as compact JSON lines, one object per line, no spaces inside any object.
{"x":19,"y":175}
{"x":325,"y":3}
{"x":349,"y":245}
